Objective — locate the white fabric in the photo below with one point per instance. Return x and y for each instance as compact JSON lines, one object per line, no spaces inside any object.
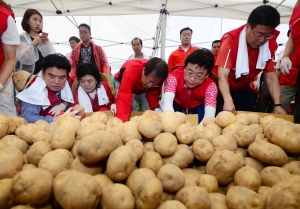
{"x":209,"y":112}
{"x":11,"y":34}
{"x":144,"y":56}
{"x":113,"y":109}
{"x":7,"y":104}
{"x":85,"y":101}
{"x":37,"y":93}
{"x":285,"y":65}
{"x":279,"y":59}
{"x":242,"y":61}
{"x":167,"y":101}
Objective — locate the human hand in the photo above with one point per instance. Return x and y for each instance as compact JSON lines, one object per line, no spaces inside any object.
{"x":113,"y":109}
{"x":36,"y":41}
{"x":56,"y":110}
{"x":285,"y":65}
{"x":75,"y":113}
{"x":229,"y":106}
{"x":44,"y":37}
{"x":157,"y":110}
{"x":279,"y":110}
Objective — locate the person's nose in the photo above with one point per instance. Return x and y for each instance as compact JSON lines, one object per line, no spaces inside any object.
{"x":56,"y":80}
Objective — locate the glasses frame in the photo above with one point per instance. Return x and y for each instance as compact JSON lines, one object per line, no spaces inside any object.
{"x":267,"y":37}
{"x":148,"y":81}
{"x":196,"y":77}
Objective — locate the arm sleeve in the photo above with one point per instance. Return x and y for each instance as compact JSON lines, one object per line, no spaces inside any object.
{"x":72,"y":59}
{"x":46,"y":48}
{"x":104,"y":63}
{"x":11,"y":35}
{"x":209,"y":112}
{"x":170,"y":63}
{"x":169,"y":93}
{"x":31,"y":113}
{"x":168,"y":101}
{"x":152,"y":97}
{"x":224,"y":58}
{"x":211,"y":95}
{"x":26,"y":53}
{"x":270,"y":66}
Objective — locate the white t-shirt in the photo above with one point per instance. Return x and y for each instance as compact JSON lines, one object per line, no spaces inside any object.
{"x":11,"y":35}
{"x":144,"y":57}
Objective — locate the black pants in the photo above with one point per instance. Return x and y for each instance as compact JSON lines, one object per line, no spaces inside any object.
{"x":297,"y":104}
{"x":243,"y":100}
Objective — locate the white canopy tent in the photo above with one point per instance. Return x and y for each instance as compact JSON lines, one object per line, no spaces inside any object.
{"x":151,"y":14}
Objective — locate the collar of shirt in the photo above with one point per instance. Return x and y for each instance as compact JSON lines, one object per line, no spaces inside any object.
{"x":185,"y":48}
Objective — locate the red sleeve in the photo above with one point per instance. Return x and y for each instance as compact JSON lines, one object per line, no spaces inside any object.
{"x":171,"y":63}
{"x":270,"y":66}
{"x":124,"y":97}
{"x":224,"y":58}
{"x":152,"y":97}
{"x":109,"y":94}
{"x":72,"y":59}
{"x":76,"y":101}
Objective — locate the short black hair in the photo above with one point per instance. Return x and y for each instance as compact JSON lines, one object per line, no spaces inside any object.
{"x":74,"y":38}
{"x":85,"y":25}
{"x":56,"y":60}
{"x":264,"y":15}
{"x":28,"y":13}
{"x":215,"y":41}
{"x":187,"y":28}
{"x":136,"y":38}
{"x":158,"y":67}
{"x":88,"y":68}
{"x":202,"y":57}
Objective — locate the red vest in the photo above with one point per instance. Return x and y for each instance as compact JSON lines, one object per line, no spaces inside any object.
{"x":189,"y":98}
{"x":295,"y":32}
{"x":4,"y":14}
{"x":244,"y":80}
{"x":54,"y":100}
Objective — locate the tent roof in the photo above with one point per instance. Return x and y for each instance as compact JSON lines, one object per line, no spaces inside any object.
{"x":232,"y":9}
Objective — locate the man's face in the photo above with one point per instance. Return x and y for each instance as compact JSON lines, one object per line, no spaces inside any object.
{"x":150,"y":81}
{"x":186,"y":37}
{"x":55,"y":78}
{"x":258,"y":35}
{"x":84,"y":34}
{"x":73,"y":44}
{"x":194,"y":75}
{"x":137,"y":47}
{"x":215,"y":48}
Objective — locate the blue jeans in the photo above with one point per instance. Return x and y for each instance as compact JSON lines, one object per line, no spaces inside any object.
{"x":196,"y":110}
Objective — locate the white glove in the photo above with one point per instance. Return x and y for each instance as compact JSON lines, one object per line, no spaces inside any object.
{"x":157,"y":110}
{"x":256,"y":83}
{"x":1,"y":87}
{"x":70,"y":111}
{"x":113,"y":109}
{"x":168,"y":99}
{"x":57,"y":109}
{"x":285,"y":65}
{"x":209,"y":112}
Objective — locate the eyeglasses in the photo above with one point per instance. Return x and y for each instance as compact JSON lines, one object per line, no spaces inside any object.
{"x":148,"y":81}
{"x":259,"y":35}
{"x":191,"y":75}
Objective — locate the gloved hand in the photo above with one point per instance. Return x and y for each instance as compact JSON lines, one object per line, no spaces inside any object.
{"x":113,"y":109}
{"x":157,"y":110}
{"x":285,"y":65}
{"x":75,"y":112}
{"x":57,"y":109}
{"x":1,"y":87}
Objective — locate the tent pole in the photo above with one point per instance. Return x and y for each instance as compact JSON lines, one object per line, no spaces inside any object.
{"x":221,"y":28}
{"x":163,"y":32}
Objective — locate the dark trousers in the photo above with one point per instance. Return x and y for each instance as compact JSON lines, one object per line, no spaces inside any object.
{"x":265,"y":102}
{"x":243,"y":100}
{"x":297,"y":104}
{"x":196,"y":110}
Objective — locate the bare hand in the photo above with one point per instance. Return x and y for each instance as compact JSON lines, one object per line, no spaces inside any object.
{"x":44,"y":39}
{"x":279,"y":110}
{"x":37,"y":40}
{"x":228,"y":106}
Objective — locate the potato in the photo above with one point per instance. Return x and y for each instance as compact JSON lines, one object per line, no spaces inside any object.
{"x":121,"y":163}
{"x":137,"y":178}
{"x":96,"y":146}
{"x":149,"y":125}
{"x":218,"y":201}
{"x":210,"y":132}
{"x":19,"y":121}
{"x":74,"y":149}
{"x":103,"y":180}
{"x":249,"y":161}
{"x":169,"y":121}
{"x":12,"y":140}
{"x":151,"y":160}
{"x":265,"y":120}
{"x":263,"y":191}
{"x":230,"y":129}
{"x":244,"y":136}
{"x":11,"y":161}
{"x":241,"y":151}
{"x":26,"y":132}
{"x":12,"y":126}
{"x":207,"y":121}
{"x":113,"y":122}
{"x":37,"y":151}
{"x":67,"y":122}
{"x":89,"y":169}
{"x":194,"y":197}
{"x":171,"y":177}
{"x":28,"y":166}
{"x":2,"y":145}
{"x":247,"y":177}
{"x":189,"y":182}
{"x":85,"y":130}
{"x":182,"y":157}
{"x":78,"y":107}
{"x":174,"y":204}
{"x":63,"y":139}
{"x":199,"y":131}
{"x":56,"y":161}
{"x":254,"y":118}
{"x":284,"y":134}
{"x":22,"y":207}
{"x":186,"y":134}
{"x":137,"y":146}
{"x":149,"y":147}
{"x":117,"y":196}
{"x":41,"y":136}
{"x":242,"y":197}
{"x":192,"y":174}
{"x":23,"y":190}
{"x":73,"y":189}
{"x":181,"y":117}
{"x":129,"y":131}
{"x":85,"y":121}
{"x":272,"y":175}
{"x":257,"y":128}
{"x":41,"y":124}
{"x":223,"y":164}
{"x":208,"y":182}
{"x":50,"y":128}
{"x":149,"y":194}
{"x":268,"y":153}
{"x":224,"y":142}
{"x":243,"y":119}
{"x":165,"y":144}
{"x":98,"y":117}
{"x":225,"y":118}
{"x":6,"y":198}
{"x":202,"y":150}
{"x":293,"y":167}
{"x":4,"y":125}
{"x":285,"y":194}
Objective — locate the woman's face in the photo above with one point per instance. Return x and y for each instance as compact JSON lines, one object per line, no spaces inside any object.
{"x":88,"y":83}
{"x":35,"y":23}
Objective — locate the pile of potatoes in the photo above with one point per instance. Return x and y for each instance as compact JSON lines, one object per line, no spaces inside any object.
{"x":152,"y":161}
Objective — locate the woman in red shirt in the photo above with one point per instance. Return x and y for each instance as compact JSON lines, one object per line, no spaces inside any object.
{"x":93,"y":93}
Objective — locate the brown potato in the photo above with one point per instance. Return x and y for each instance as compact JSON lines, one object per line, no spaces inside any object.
{"x":194,"y":197}
{"x":244,"y":136}
{"x":169,"y":121}
{"x":151,"y":160}
{"x":249,"y":161}
{"x":130,"y":131}
{"x":225,"y":118}
{"x":89,"y":169}
{"x":200,"y":131}
{"x":174,"y":204}
{"x":257,"y":128}
{"x":207,"y":121}
{"x":263,"y":191}
{"x":208,"y":182}
{"x":218,"y":201}
{"x":12,"y":140}
{"x":6,"y":198}
{"x":254,"y":118}
{"x":19,"y":120}
{"x":171,"y":177}
{"x":182,"y":157}
{"x":186,"y":134}
{"x":293,"y":167}
{"x":165,"y":144}
{"x":137,"y":178}
{"x":192,"y":174}
{"x":85,"y":130}
{"x":63,"y":139}
{"x":137,"y":146}
{"x":74,"y":149}
{"x":41,"y":124}
{"x":149,"y":147}
{"x":26,"y":132}
{"x":37,"y":151}
{"x":242,"y":151}
{"x":247,"y":177}
{"x":11,"y":161}
{"x":28,"y":166}
{"x":265,"y":120}
{"x":243,"y":119}
{"x":103,"y":180}
{"x":41,"y":136}
{"x":67,"y":122}
{"x":50,"y":128}
{"x":202,"y":150}
{"x":224,"y":142}
{"x":149,"y":125}
{"x":230,"y":129}
{"x":272,"y":175}
{"x":98,"y":117}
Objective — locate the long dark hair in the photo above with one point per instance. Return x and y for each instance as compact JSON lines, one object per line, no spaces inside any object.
{"x":26,"y":17}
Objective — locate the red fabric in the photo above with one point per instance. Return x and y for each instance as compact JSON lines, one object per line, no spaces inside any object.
{"x":228,"y":54}
{"x":132,"y":84}
{"x":289,"y":79}
{"x":99,"y":55}
{"x":54,"y":100}
{"x":188,"y":98}
{"x":215,"y":69}
{"x":177,"y":57}
{"x":295,"y":33}
{"x":4,"y":13}
{"x":94,"y":101}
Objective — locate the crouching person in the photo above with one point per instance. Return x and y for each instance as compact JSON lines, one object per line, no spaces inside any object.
{"x":46,"y":95}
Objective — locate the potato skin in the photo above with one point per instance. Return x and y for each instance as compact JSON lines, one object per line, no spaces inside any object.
{"x":272,"y":175}
{"x":225,"y":118}
{"x":248,"y":177}
{"x":165,"y":144}
{"x":11,"y":162}
{"x":182,"y":157}
{"x":151,"y":160}
{"x":172,"y":177}
{"x":194,"y":197}
{"x":6,"y":198}
{"x":218,"y":201}
{"x":203,"y":150}
{"x":37,"y":151}
{"x":174,"y":204}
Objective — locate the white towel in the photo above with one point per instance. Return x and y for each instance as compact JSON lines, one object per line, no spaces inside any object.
{"x":37,"y":93}
{"x":242,"y":61}
{"x":85,"y":101}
